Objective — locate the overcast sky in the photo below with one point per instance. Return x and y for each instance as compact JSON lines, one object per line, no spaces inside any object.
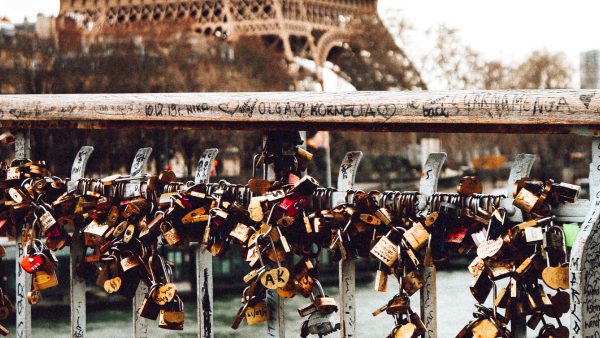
{"x":507,"y":30}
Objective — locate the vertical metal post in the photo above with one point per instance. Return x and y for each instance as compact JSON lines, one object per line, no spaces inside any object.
{"x":347,"y":267}
{"x":140,"y":324}
{"x":521,"y":168}
{"x":276,"y":322}
{"x":584,"y":270}
{"x":77,"y":252}
{"x":23,"y":308}
{"x":427,"y":186}
{"x":204,"y":269}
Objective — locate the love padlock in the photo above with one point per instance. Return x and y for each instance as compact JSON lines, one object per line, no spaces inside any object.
{"x":30,"y":264}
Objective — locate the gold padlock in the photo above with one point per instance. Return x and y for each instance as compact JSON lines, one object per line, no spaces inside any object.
{"x":525,"y":200}
{"x":241,"y":232}
{"x":385,"y":250}
{"x":171,"y":317}
{"x":381,"y":279}
{"x":257,"y":313}
{"x":417,"y":236}
{"x":43,"y":280}
{"x":94,"y":232}
{"x":170,"y":234}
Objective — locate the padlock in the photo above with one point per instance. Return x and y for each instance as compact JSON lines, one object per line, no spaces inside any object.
{"x":44,"y":280}
{"x":305,"y":186}
{"x":405,"y":330}
{"x":499,"y":270}
{"x":275,"y":278}
{"x":31,"y":263}
{"x":370,"y":219}
{"x":94,"y":232}
{"x":288,"y":290}
{"x":171,"y":316}
{"x":556,"y":277}
{"x":384,"y":215}
{"x":149,"y":309}
{"x":561,"y":302}
{"x":257,"y":312}
{"x":129,"y":233}
{"x":385,"y":250}
{"x":33,"y":297}
{"x":286,"y":221}
{"x":323,"y":303}
{"x":170,"y":234}
{"x":412,"y":282}
{"x":566,"y":192}
{"x":129,"y":261}
{"x":381,"y":279}
{"x":195,"y":216}
{"x":481,"y":286}
{"x":293,"y":204}
{"x":469,"y":185}
{"x":398,"y":305}
{"x":241,"y":232}
{"x":526,"y":200}
{"x":45,"y":219}
{"x":304,"y":157}
{"x":418,"y":322}
{"x":417,"y":236}
{"x":485,"y":328}
{"x":323,"y":323}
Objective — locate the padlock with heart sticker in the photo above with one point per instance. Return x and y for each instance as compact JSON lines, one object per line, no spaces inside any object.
{"x":31,"y":263}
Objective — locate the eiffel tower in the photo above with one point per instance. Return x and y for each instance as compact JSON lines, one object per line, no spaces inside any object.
{"x":339,"y":31}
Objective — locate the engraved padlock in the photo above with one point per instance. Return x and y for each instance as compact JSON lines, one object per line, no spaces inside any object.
{"x":257,"y":312}
{"x":170,"y":234}
{"x":323,"y":323}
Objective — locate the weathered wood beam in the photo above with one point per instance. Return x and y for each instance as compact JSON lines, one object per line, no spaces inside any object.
{"x":516,"y":111}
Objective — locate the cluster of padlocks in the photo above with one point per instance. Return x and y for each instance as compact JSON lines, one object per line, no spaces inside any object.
{"x":123,"y":220}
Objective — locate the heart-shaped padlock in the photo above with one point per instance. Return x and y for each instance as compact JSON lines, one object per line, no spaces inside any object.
{"x":31,"y":263}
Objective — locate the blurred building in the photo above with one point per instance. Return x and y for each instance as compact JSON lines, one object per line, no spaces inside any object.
{"x":590,"y":69}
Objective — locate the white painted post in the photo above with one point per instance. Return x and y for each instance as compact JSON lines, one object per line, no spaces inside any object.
{"x":584,"y":268}
{"x":23,"y":308}
{"x":140,"y":324}
{"x":521,"y":168}
{"x":204,"y":268}
{"x":276,"y":322}
{"x":77,"y":252}
{"x":347,"y":267}
{"x":427,"y":186}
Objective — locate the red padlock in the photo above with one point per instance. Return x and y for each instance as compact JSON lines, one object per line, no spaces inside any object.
{"x":457,"y":235}
{"x":31,"y":264}
{"x":54,"y":232}
{"x":293,"y":204}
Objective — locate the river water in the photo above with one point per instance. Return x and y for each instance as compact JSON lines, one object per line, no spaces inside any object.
{"x":455,"y":307}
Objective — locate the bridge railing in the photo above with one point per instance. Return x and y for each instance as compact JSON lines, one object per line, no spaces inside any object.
{"x":513,"y":111}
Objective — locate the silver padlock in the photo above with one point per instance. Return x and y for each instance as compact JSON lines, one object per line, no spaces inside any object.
{"x":323,"y":324}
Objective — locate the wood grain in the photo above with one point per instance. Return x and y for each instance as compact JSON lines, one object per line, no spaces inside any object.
{"x":545,"y":111}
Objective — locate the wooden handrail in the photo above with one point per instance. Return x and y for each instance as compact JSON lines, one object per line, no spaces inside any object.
{"x":532,"y":111}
